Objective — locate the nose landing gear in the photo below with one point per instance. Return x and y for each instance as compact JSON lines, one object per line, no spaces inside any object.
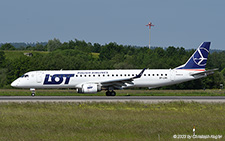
{"x":32,"y":91}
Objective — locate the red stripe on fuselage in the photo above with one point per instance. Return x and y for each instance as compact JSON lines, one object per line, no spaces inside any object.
{"x":193,"y":69}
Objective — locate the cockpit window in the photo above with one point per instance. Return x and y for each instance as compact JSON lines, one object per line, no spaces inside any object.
{"x":25,"y":76}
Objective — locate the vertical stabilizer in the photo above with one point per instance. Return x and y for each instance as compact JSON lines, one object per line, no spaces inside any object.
{"x":199,"y":59}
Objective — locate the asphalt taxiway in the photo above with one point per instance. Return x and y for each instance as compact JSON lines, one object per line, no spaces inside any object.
{"x":145,"y":99}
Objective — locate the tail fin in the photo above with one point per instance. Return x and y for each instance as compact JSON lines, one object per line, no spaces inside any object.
{"x":198,"y":60}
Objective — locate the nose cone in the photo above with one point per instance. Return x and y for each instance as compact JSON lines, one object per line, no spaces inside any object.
{"x":14,"y":83}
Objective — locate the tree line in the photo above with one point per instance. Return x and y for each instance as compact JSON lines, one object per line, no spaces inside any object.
{"x":80,"y":55}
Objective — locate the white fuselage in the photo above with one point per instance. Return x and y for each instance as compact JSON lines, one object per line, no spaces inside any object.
{"x":74,"y":78}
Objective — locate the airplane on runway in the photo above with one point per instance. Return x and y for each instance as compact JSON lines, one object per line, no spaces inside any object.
{"x":93,"y":81}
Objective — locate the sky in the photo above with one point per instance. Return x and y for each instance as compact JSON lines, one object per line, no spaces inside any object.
{"x":179,"y":23}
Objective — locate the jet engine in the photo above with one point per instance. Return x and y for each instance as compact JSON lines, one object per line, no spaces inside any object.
{"x":89,"y":88}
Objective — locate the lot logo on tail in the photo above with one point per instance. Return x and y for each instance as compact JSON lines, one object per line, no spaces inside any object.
{"x":57,"y":79}
{"x":200,"y":57}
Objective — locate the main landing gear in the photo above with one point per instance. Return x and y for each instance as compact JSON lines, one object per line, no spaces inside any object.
{"x":32,"y":91}
{"x":110,"y":93}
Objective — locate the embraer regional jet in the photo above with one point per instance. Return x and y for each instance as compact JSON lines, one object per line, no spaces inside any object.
{"x":93,"y":81}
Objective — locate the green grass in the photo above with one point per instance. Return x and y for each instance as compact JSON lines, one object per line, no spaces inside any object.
{"x":14,"y":54}
{"x":69,"y":92}
{"x":108,"y":121}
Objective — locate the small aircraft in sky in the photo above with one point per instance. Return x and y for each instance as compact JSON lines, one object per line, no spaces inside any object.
{"x":93,"y":81}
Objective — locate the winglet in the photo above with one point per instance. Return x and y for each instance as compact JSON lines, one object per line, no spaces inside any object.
{"x":140,"y":74}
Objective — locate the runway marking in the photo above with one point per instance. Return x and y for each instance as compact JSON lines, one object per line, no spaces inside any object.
{"x":145,"y":99}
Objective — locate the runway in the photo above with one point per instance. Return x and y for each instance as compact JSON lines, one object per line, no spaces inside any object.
{"x":145,"y":99}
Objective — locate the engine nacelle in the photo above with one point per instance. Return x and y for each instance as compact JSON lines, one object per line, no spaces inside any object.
{"x":89,"y":88}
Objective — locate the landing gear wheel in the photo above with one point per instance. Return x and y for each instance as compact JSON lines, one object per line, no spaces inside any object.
{"x":107,"y":93}
{"x":110,"y":93}
{"x":32,"y":91}
{"x":113,"y":93}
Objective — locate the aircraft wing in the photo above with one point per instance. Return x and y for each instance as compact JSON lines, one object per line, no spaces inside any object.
{"x":207,"y":72}
{"x":118,"y":83}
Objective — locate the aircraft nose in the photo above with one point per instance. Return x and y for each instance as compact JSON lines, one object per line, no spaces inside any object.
{"x":14,"y":83}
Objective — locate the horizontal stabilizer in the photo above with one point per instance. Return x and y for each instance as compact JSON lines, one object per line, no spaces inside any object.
{"x":208,"y":72}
